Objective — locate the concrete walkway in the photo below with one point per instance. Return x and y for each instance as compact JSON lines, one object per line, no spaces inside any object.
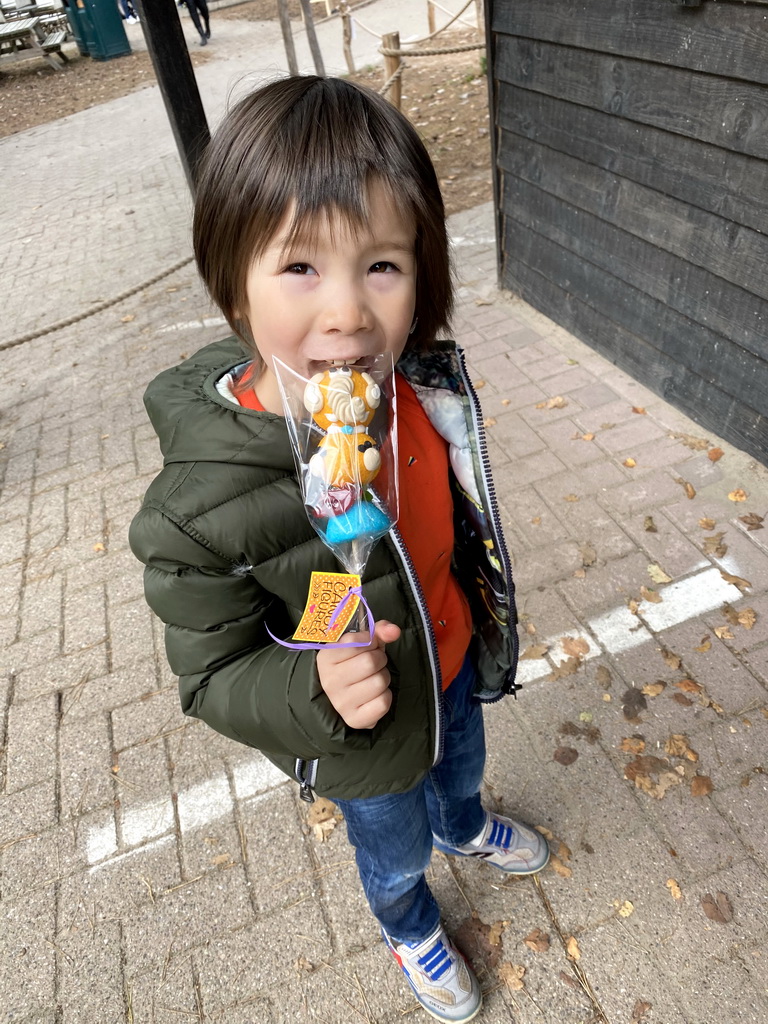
{"x":152,"y":872}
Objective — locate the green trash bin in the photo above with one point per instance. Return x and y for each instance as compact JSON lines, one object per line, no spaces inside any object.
{"x":102,"y":28}
{"x":74,"y":17}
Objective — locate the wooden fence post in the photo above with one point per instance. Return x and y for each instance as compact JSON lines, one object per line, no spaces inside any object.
{"x":430,"y":17}
{"x":346,"y":21}
{"x":285,"y":25}
{"x":314,"y":46}
{"x":391,"y":41}
{"x":480,"y":16}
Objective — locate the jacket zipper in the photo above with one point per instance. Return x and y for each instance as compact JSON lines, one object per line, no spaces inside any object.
{"x":434,"y":661}
{"x":495,"y":520}
{"x":306,"y":775}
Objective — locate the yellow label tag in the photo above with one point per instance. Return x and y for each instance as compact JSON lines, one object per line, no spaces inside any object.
{"x":326,"y":592}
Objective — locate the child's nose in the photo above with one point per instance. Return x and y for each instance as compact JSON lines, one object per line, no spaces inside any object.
{"x":346,"y":313}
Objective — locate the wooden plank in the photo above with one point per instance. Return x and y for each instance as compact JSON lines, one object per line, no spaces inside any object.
{"x":647,"y":156}
{"x":716,"y":38}
{"x":676,"y":100}
{"x":692,"y":345}
{"x":732,"y":313}
{"x":725,"y":249}
{"x":704,"y":401}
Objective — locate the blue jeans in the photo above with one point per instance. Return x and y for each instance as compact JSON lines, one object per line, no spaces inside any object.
{"x":393,"y":834}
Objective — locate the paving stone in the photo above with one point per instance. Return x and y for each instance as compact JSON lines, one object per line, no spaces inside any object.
{"x":96,"y":692}
{"x":746,"y":808}
{"x":146,"y":811}
{"x":90,"y":977}
{"x":155,"y":713}
{"x":28,"y":811}
{"x":667,"y":546}
{"x":516,"y":439}
{"x":66,"y":671}
{"x":607,"y":586}
{"x":278,"y":851}
{"x":565,"y":438}
{"x":85,"y":619}
{"x":86,"y":760}
{"x":31,"y":749}
{"x":587,"y":522}
{"x":132,"y":641}
{"x":28,"y":958}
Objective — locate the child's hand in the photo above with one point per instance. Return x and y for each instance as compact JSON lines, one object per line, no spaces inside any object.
{"x":356,"y":679}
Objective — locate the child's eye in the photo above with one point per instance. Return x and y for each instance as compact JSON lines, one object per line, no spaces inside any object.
{"x":382,"y":267}
{"x":299,"y":268}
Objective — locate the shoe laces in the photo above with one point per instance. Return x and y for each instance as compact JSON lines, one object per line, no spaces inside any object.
{"x":501,"y":835}
{"x":436,"y":961}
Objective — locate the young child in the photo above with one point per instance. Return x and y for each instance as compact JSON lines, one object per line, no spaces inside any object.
{"x":320,"y":233}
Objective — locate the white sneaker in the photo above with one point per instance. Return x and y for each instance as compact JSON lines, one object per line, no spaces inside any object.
{"x":507,"y":844}
{"x":441,"y":979}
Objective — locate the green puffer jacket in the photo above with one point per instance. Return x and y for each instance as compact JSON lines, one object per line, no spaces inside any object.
{"x":229,"y":550}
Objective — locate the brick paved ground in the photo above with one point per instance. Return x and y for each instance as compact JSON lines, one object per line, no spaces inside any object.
{"x":151,"y":871}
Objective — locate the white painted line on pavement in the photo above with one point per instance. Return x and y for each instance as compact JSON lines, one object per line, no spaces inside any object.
{"x":616,"y":631}
{"x":197,"y":806}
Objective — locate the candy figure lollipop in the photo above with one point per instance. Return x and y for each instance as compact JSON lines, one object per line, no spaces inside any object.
{"x":343,"y":401}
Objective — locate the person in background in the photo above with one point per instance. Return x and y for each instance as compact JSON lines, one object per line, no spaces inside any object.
{"x":129,"y":13}
{"x":197,"y":8}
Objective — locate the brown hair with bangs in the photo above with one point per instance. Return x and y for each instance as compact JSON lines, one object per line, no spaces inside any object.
{"x":316,"y":143}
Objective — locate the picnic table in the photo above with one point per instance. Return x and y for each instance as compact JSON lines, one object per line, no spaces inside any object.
{"x":26,"y":37}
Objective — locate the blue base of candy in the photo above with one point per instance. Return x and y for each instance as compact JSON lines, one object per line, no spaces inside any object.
{"x":360,"y":519}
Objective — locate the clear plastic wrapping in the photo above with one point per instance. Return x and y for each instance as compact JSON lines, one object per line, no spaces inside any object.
{"x":343,"y":428}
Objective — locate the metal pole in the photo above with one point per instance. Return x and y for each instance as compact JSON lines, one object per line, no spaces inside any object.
{"x":173,"y":68}
{"x":309,"y":24}
{"x":285,"y":25}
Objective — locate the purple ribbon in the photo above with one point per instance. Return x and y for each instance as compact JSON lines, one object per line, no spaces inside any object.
{"x":352,"y":592}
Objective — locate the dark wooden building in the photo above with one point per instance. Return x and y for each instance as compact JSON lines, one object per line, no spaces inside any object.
{"x":631,"y":158}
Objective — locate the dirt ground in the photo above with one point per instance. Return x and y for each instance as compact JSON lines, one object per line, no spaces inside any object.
{"x":444,"y":96}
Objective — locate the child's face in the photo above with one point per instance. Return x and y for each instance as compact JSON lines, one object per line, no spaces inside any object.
{"x":348,"y":295}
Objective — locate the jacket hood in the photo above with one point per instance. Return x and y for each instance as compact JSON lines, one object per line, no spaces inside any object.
{"x":212,"y":430}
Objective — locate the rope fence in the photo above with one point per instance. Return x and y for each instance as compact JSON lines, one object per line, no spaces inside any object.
{"x":393,"y":53}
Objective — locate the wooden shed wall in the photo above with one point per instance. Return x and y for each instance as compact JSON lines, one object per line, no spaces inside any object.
{"x":632,"y":164}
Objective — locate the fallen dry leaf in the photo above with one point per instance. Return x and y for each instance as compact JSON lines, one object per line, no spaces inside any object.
{"x":633,"y":605}
{"x":473,"y":937}
{"x":506,"y":401}
{"x":302,"y":964}
{"x":626,"y":909}
{"x":704,"y":646}
{"x":657,"y":574}
{"x":559,"y":867}
{"x":571,"y":497}
{"x":707,"y":524}
{"x":572,"y":949}
{"x":558,"y":402}
{"x":701,"y":785}
{"x":512,"y":976}
{"x":603,"y":676}
{"x":689,"y":686}
{"x":221,"y":859}
{"x":673,"y":660}
{"x":565,"y":755}
{"x":534,"y":651}
{"x":654,"y":689}
{"x":696,"y":444}
{"x":738,"y":495}
{"x":629,"y":463}
{"x":752,"y":521}
{"x":674,"y":889}
{"x":575,"y":647}
{"x":677,"y":746}
{"x":652,"y":775}
{"x":632,"y":745}
{"x":717,"y":908}
{"x":565,"y":668}
{"x":588,"y":555}
{"x":98,"y":547}
{"x":323,"y":816}
{"x":536,"y":520}
{"x":127,"y":319}
{"x":680,"y":698}
{"x":723,"y":632}
{"x":639,"y":410}
{"x":489,"y":421}
{"x":651,"y":595}
{"x":537,"y":940}
{"x":633,"y":702}
{"x":747,"y":618}
{"x":570,"y":981}
{"x":737,"y":581}
{"x":690,"y":490}
{"x":715,"y":454}
{"x":714,"y":545}
{"x":479,"y":384}
{"x":649,"y":526}
{"x":640,"y":1010}
{"x":587,"y":437}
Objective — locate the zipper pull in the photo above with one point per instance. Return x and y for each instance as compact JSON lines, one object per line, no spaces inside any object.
{"x":303,"y":770}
